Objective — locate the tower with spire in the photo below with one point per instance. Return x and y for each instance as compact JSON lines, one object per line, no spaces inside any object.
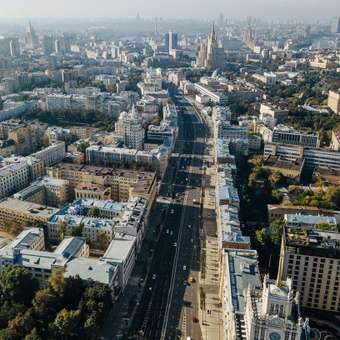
{"x":31,"y":39}
{"x":211,"y":55}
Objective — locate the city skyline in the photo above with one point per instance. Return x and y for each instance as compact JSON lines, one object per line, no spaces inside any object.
{"x":281,"y":9}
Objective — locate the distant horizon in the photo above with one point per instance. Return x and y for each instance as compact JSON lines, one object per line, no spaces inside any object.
{"x":152,"y":19}
{"x":277,"y":10}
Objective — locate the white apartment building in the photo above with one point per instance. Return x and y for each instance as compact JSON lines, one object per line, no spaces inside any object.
{"x":51,"y":155}
{"x":129,"y":128}
{"x":13,"y":178}
{"x":314,"y":157}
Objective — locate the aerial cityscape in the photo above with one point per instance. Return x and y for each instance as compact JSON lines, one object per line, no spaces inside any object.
{"x":170,"y":170}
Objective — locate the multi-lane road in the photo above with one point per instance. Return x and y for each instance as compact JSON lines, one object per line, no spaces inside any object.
{"x":176,"y":253}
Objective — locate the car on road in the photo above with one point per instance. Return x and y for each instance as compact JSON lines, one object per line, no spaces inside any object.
{"x":194,"y":319}
{"x":154,"y":277}
{"x":175,"y":244}
{"x":192,"y":279}
{"x":172,"y":211}
{"x":184,"y":267}
{"x":189,"y":226}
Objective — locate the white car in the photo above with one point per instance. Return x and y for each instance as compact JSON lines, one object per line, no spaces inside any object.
{"x":175,"y":244}
{"x":184,"y":267}
{"x":154,"y":277}
{"x":167,"y":231}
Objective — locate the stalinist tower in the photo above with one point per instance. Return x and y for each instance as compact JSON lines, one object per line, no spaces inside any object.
{"x":211,"y":56}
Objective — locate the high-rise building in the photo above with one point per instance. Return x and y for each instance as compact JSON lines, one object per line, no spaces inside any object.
{"x":171,"y":41}
{"x":129,"y":128}
{"x":311,"y":258}
{"x":31,"y":38}
{"x":273,"y":312}
{"x":14,"y":47}
{"x":5,"y":49}
{"x":336,"y":25}
{"x":211,"y":56}
{"x":48,"y":44}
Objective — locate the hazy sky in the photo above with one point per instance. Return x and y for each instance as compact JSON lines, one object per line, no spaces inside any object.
{"x":307,"y":9}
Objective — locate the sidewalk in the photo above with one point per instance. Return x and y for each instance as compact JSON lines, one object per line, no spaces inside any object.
{"x":210,"y":311}
{"x":212,"y":322}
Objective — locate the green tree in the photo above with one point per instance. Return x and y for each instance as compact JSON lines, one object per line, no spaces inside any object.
{"x":57,"y":281}
{"x":333,"y":195}
{"x":17,"y":285}
{"x":262,"y":236}
{"x":78,"y":230}
{"x":103,"y":240}
{"x":276,"y":230}
{"x":66,"y":323}
{"x":73,"y":292}
{"x":33,"y":335}
{"x":83,"y":146}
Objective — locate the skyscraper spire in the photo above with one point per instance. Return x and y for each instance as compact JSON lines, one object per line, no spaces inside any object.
{"x":282,"y":260}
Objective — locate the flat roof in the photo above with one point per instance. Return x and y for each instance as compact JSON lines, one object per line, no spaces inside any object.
{"x":28,"y":207}
{"x":119,"y":248}
{"x":91,"y":269}
{"x":242,"y":269}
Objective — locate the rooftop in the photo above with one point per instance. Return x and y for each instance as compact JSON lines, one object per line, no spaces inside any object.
{"x":28,"y":208}
{"x":87,"y":268}
{"x":119,"y":248}
{"x":242,"y":272}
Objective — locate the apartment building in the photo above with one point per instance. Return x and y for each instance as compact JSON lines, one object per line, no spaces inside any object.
{"x":334,"y":101}
{"x":240,"y":271}
{"x":51,"y":155}
{"x":277,"y":113}
{"x":305,"y":221}
{"x":124,"y":183}
{"x":278,"y":211}
{"x":129,"y":128}
{"x":94,"y":191}
{"x":155,"y":159}
{"x":311,"y":258}
{"x":47,"y":191}
{"x":285,"y":135}
{"x":24,"y":213}
{"x":28,"y":251}
{"x":14,"y":177}
{"x":314,"y":157}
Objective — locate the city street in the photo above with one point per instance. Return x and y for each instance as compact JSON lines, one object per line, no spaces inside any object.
{"x":177,"y":251}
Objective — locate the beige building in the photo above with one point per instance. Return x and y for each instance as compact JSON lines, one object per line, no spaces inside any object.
{"x":82,"y":132}
{"x":211,"y":55}
{"x":312,"y":260}
{"x":334,"y":101}
{"x":24,"y":213}
{"x":124,"y":184}
{"x":26,"y":136}
{"x":93,"y":191}
{"x":322,"y":63}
